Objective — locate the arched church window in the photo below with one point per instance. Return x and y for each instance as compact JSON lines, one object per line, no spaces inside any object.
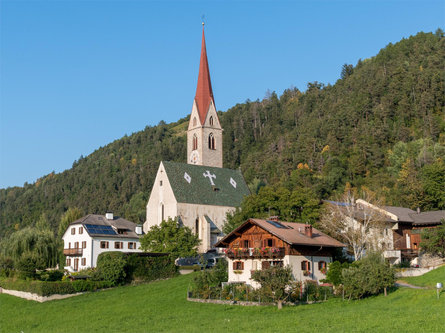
{"x":211,"y":121}
{"x":197,"y":227}
{"x":162,"y":212}
{"x":195,"y":142}
{"x":211,"y":141}
{"x":194,"y":121}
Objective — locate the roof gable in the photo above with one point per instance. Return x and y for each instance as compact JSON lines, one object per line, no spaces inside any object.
{"x":426,"y":218}
{"x":289,"y":232}
{"x":98,"y":226}
{"x":204,"y":185}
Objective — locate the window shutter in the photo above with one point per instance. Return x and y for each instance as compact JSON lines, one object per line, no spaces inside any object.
{"x":242,"y":265}
{"x":265,"y":265}
{"x":234,"y":265}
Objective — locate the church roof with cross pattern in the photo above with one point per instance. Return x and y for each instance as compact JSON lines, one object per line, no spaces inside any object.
{"x":204,"y":185}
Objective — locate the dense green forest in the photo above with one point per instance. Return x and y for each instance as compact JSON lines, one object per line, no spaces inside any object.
{"x":381,"y":125}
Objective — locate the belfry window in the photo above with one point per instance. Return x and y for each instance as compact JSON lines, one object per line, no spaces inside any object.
{"x":194,"y":121}
{"x":211,"y":121}
{"x":195,"y":142}
{"x":211,"y":142}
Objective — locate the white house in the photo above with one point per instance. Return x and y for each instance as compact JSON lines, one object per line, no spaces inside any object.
{"x":200,"y":192}
{"x":396,"y":231}
{"x":259,"y":244}
{"x":89,"y":236}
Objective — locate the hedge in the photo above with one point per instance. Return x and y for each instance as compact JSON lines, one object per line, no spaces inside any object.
{"x":149,"y":268}
{"x":47,"y":288}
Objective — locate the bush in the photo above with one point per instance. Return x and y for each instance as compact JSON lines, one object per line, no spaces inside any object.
{"x":211,"y":278}
{"x":53,"y":275}
{"x":149,"y":268}
{"x":368,"y":276}
{"x":111,"y":267}
{"x":315,"y":292}
{"x":334,"y":273}
{"x":47,"y":288}
{"x":6,"y":266}
{"x":26,"y":265}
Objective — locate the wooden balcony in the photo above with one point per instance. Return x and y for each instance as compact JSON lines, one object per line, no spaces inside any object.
{"x":409,"y":253}
{"x":251,"y":253}
{"x":72,"y":252}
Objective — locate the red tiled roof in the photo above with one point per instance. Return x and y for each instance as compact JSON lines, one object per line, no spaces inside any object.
{"x":204,"y":93}
{"x":291,"y":232}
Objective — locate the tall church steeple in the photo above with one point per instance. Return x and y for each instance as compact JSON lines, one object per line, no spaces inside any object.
{"x":204,"y":93}
{"x":204,"y":135}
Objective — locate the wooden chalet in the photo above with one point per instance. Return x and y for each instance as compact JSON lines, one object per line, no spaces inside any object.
{"x":259,"y":244}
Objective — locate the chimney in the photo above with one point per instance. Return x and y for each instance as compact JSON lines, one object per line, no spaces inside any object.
{"x":109,"y":216}
{"x":308,"y":230}
{"x":418,"y":210}
{"x":274,"y":218}
{"x":138,"y":229}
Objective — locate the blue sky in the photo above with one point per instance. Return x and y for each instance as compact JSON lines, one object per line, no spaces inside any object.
{"x":77,"y":75}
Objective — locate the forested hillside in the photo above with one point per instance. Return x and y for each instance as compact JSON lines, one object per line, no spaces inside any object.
{"x":381,"y":125}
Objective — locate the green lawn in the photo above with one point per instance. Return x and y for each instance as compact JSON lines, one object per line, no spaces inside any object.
{"x":162,"y":307}
{"x":428,"y":280}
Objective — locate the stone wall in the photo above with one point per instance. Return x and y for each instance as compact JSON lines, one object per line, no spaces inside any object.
{"x":35,"y":297}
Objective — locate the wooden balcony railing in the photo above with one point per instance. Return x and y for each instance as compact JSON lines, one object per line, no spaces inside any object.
{"x":72,"y":252}
{"x":249,"y":253}
{"x":409,"y":253}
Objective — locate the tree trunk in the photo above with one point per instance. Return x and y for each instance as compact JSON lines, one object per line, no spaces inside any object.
{"x":280,"y":304}
{"x":385,"y":291}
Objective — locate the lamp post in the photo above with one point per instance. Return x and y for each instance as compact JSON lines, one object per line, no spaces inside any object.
{"x":439,"y":287}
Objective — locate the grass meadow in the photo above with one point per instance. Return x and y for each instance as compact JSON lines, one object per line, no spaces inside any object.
{"x":162,"y":307}
{"x":428,"y":280}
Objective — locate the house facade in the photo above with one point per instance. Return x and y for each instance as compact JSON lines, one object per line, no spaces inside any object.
{"x":259,"y":244}
{"x":91,"y":235}
{"x":407,"y":232}
{"x":201,"y":192}
{"x":394,"y":230}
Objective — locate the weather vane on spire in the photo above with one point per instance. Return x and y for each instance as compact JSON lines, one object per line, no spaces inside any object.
{"x":202,"y":20}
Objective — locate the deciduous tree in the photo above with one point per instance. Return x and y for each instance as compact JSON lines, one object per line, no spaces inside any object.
{"x":354,"y":223}
{"x":170,"y":237}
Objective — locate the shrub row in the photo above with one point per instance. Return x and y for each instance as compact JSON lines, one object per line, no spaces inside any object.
{"x":47,"y":288}
{"x":150,"y":268}
{"x":119,"y":267}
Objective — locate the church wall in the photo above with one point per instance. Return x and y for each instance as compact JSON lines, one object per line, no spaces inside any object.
{"x":160,"y":195}
{"x":189,"y":213}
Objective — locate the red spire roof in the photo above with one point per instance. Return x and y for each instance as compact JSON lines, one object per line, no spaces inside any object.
{"x":204,"y":93}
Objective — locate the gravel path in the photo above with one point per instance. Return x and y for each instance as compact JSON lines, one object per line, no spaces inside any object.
{"x":407,"y":285}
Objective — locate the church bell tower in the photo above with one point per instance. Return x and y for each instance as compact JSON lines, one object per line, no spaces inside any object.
{"x":204,"y":134}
